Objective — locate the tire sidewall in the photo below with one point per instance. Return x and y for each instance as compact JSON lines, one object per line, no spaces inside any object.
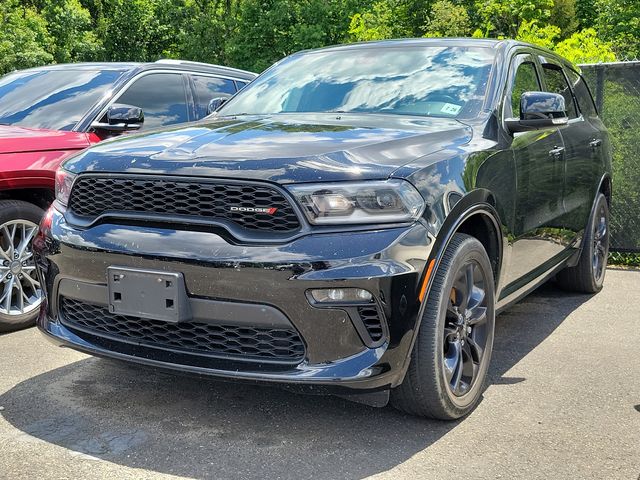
{"x":601,"y":201}
{"x":470,"y":249}
{"x":18,"y":210}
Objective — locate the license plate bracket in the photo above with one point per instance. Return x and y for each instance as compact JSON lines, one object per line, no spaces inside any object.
{"x":151,"y":294}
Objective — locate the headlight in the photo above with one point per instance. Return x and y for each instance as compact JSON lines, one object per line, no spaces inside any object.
{"x":64,"y":182}
{"x":387,"y":201}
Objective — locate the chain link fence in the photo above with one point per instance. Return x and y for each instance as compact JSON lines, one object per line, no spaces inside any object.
{"x":616,"y":89}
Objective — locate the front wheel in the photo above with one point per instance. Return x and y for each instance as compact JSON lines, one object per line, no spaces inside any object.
{"x":20,"y":292}
{"x":451,"y":355}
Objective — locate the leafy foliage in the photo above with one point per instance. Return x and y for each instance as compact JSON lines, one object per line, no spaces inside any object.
{"x":377,"y":23}
{"x":618,"y":22}
{"x":253,"y":34}
{"x":585,"y":47}
{"x":448,"y":20}
{"x":503,"y":18}
{"x":624,"y":259}
{"x":24,"y":38}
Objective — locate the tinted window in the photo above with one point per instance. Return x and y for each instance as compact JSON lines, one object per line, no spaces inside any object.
{"x":162,"y":98}
{"x":421,"y":81}
{"x":525,"y":80}
{"x":557,"y":83}
{"x":208,"y":88}
{"x":53,"y":99}
{"x":240,"y":84}
{"x":581,"y":90}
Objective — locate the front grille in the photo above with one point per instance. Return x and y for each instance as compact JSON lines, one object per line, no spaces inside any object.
{"x":93,"y":196}
{"x":371,"y":319}
{"x":189,"y":337}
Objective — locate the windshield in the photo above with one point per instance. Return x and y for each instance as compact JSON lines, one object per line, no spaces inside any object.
{"x":423,"y":81}
{"x":52,"y":99}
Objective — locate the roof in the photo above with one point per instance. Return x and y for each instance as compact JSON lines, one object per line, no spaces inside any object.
{"x":160,"y":64}
{"x":419,"y":42}
{"x":498,"y":45}
{"x":121,"y":66}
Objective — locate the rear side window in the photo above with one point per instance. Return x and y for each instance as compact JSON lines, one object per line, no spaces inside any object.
{"x":162,"y":97}
{"x":557,"y":83}
{"x":240,"y":84}
{"x":583,"y":95}
{"x":525,"y":80}
{"x":208,"y":88}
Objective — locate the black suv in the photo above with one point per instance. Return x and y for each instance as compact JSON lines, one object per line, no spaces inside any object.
{"x":351,"y":221}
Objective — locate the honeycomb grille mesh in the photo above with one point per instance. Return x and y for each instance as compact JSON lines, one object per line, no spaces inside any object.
{"x":371,"y":319}
{"x":190,"y":337}
{"x":93,"y":196}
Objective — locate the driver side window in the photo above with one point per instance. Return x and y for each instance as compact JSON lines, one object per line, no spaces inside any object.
{"x":525,"y":80}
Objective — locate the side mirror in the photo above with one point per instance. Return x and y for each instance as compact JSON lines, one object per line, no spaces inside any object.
{"x":215,"y":104}
{"x":121,"y":118}
{"x":539,"y":110}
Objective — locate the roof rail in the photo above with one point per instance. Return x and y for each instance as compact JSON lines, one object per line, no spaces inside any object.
{"x":172,"y":61}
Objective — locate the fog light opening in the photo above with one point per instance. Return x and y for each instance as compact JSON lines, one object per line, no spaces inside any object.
{"x":341,"y":295}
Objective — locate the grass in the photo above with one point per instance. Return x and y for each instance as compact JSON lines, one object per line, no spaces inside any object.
{"x":624,"y":259}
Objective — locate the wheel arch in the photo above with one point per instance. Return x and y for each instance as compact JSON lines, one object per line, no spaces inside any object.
{"x":41,"y":197}
{"x":474,"y":214}
{"x":605,"y":187}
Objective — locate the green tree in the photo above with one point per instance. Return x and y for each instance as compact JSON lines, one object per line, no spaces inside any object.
{"x":138,"y":30}
{"x":544,"y":36}
{"x":586,"y":13}
{"x":268,"y":30}
{"x":563,"y":15}
{"x":69,"y":23}
{"x":585,"y":47}
{"x":377,"y":23}
{"x":448,"y":20}
{"x":500,"y":18}
{"x":618,"y":22}
{"x":24,"y":39}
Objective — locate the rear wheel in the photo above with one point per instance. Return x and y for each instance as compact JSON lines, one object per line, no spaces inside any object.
{"x":451,"y":356}
{"x":588,"y":275}
{"x":20,"y":292}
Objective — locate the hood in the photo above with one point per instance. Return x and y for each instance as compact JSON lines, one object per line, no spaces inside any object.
{"x":21,"y":139}
{"x":284,"y":148}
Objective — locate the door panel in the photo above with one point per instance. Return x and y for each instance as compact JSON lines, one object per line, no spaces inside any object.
{"x":585,"y":143}
{"x":539,"y":163}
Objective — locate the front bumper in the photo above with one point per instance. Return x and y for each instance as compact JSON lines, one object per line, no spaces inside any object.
{"x":236,"y":280}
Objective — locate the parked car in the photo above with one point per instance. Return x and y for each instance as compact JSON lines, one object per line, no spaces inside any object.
{"x":49,"y":113}
{"x":351,"y":222}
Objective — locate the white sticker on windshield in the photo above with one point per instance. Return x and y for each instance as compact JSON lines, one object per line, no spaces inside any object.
{"x":450,"y":108}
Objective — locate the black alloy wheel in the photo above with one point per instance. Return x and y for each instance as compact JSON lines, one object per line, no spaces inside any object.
{"x":465,"y":331}
{"x":451,"y":356}
{"x":600,"y":243}
{"x":587,"y":276}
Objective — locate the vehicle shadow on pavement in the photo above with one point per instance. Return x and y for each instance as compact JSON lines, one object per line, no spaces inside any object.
{"x":194,"y":427}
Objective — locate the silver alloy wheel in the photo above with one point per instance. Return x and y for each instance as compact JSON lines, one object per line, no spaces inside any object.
{"x":20,"y":291}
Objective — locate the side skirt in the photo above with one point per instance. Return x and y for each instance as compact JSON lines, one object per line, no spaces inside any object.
{"x":553,"y":266}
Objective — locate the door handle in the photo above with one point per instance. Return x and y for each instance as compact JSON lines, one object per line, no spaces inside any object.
{"x":595,"y":143}
{"x":556,"y":152}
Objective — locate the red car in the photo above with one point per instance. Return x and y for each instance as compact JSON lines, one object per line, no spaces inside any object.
{"x":49,"y":113}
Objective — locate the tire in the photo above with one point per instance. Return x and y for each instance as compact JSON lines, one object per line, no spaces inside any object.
{"x":18,"y":213}
{"x":588,"y":275}
{"x":429,"y":387}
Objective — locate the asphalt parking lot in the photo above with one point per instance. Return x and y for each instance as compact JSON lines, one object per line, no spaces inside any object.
{"x":563,"y":402}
